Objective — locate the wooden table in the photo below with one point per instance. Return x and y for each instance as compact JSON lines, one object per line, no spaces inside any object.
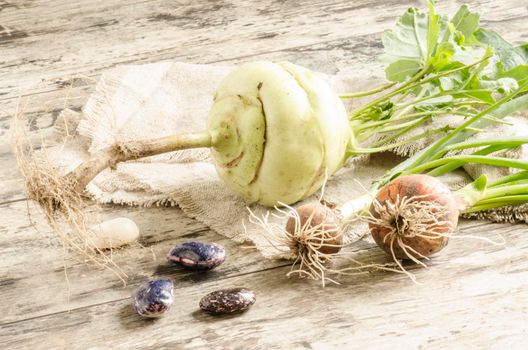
{"x":473,"y":295}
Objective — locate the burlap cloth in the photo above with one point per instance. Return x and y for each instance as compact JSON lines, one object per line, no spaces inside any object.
{"x":160,"y":99}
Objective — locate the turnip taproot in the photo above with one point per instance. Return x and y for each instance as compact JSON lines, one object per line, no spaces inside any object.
{"x":274,"y":130}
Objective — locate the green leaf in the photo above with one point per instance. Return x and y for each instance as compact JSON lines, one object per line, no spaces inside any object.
{"x":407,"y":41}
{"x":509,"y":55}
{"x":402,"y":69}
{"x":510,"y":107}
{"x":455,"y":80}
{"x":484,"y":96}
{"x":519,"y":73}
{"x":523,"y":49}
{"x":443,"y":56}
{"x":441,"y":100}
{"x":465,"y":21}
{"x":433,"y":30}
{"x":504,"y":85}
{"x":428,"y":40}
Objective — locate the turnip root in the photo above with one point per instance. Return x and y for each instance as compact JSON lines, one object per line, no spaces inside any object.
{"x":275,"y":130}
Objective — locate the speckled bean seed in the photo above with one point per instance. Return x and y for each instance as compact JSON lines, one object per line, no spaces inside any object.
{"x":153,"y":298}
{"x":226,"y":301}
{"x":197,"y":255}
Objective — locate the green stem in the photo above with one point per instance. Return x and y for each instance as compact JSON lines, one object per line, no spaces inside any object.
{"x":408,"y":83}
{"x":396,"y":127}
{"x":468,"y":103}
{"x":397,"y":144}
{"x":448,"y":72}
{"x":513,"y":142}
{"x":441,"y":170}
{"x":369,"y":92}
{"x":504,"y":191}
{"x":518,"y":182}
{"x":510,"y":178}
{"x":407,"y":109}
{"x":496,"y":161}
{"x":499,"y":202}
{"x":503,"y":107}
{"x":413,"y":83}
{"x":438,"y":94}
{"x":504,"y":199}
{"x":370,"y":125}
{"x":474,"y":73}
{"x":402,"y":132}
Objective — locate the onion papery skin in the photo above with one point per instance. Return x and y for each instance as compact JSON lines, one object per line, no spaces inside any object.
{"x":422,"y":188}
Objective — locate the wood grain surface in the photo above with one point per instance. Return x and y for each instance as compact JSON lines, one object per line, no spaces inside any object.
{"x":473,"y":295}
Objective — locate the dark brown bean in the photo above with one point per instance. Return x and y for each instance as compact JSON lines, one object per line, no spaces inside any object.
{"x":226,"y":301}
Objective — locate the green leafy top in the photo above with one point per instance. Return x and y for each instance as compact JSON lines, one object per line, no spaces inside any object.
{"x":429,"y":42}
{"x":438,"y":65}
{"x":442,"y":66}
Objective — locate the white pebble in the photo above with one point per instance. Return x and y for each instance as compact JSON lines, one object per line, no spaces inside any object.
{"x":114,"y":233}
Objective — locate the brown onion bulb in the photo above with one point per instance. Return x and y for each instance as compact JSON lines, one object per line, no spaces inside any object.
{"x":316,"y":226}
{"x":413,"y":216}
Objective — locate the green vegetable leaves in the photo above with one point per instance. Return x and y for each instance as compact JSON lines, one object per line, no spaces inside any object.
{"x":466,"y":23}
{"x":402,"y":69}
{"x":428,"y":42}
{"x":406,"y":46}
{"x":509,"y":56}
{"x":511,"y":62}
{"x":440,"y":66}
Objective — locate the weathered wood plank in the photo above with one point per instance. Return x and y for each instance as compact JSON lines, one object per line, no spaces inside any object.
{"x":462,"y":300}
{"x":473,"y":299}
{"x":33,"y":264}
{"x":160,"y":30}
{"x":32,"y":256}
{"x":44,"y":102}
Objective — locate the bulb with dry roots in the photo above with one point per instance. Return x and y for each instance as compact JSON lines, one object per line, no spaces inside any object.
{"x":314,"y":231}
{"x":314,"y":235}
{"x":413,"y":217}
